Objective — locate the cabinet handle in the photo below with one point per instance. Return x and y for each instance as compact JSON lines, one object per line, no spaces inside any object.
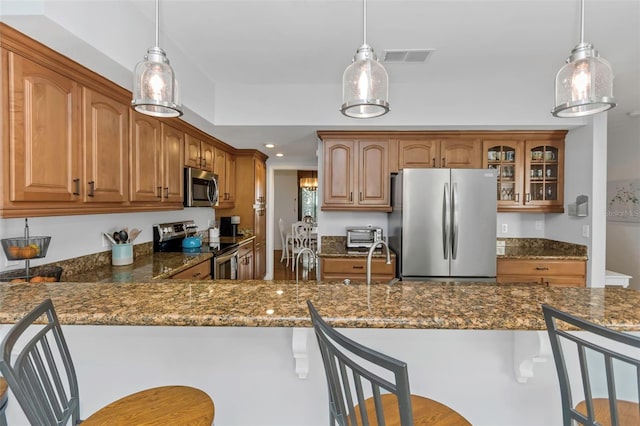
{"x":76,"y":182}
{"x":360,"y":196}
{"x":528,"y":197}
{"x":351,"y":196}
{"x":197,"y":274}
{"x":166,"y":192}
{"x":92,"y":186}
{"x":434,"y":162}
{"x":358,"y":267}
{"x":443,"y":164}
{"x":517,"y":197}
{"x":159,"y":192}
{"x":541,"y":268}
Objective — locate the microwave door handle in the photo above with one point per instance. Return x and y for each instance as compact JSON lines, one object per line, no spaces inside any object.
{"x":222,"y":259}
{"x":212,"y":192}
{"x":446,"y":220}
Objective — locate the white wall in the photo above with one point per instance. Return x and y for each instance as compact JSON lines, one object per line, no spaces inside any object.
{"x":285,"y":202}
{"x":623,"y":238}
{"x":73,"y":236}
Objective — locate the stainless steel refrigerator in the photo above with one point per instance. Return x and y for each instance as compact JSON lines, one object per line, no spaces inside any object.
{"x":443,"y":224}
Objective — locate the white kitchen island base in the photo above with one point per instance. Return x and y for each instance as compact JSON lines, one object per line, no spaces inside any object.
{"x":251,"y":373}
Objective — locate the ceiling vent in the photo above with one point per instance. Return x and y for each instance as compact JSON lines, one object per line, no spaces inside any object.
{"x":407,"y":55}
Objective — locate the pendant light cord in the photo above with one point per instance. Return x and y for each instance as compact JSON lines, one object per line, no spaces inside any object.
{"x":157,"y":24}
{"x":581,"y":21}
{"x":364,"y":18}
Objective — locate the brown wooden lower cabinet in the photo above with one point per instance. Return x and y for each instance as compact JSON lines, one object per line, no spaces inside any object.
{"x":201,"y":271}
{"x":551,"y":273}
{"x":355,"y":268}
{"x":245,"y":261}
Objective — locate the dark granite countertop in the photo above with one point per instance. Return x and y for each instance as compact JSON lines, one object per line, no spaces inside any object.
{"x":411,"y":305}
{"x":337,"y":247}
{"x":541,"y":248}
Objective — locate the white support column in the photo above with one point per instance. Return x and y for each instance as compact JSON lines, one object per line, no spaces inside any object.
{"x":299,"y":346}
{"x":529,"y":348}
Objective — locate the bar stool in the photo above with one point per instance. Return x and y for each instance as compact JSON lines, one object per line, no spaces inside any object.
{"x":347,"y":379}
{"x":4,"y":398}
{"x":593,"y":349}
{"x":43,"y":381}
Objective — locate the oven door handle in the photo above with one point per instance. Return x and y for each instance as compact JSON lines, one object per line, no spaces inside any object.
{"x":225,"y":257}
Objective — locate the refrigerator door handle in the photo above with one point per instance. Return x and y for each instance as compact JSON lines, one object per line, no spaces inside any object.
{"x":454,"y":232}
{"x":446,"y":220}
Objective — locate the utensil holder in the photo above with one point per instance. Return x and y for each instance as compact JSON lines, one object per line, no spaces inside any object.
{"x":122,"y":254}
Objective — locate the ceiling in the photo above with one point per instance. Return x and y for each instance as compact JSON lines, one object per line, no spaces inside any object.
{"x":253,"y":72}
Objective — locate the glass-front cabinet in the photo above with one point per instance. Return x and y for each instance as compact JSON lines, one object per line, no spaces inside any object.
{"x":506,"y":157}
{"x":530,"y":170}
{"x":544,"y":174}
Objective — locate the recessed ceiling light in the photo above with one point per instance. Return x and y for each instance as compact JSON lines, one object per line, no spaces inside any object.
{"x":269,"y":145}
{"x":279,"y":154}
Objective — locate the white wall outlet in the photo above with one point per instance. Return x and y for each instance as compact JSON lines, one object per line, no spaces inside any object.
{"x":585,"y":231}
{"x":11,"y":264}
{"x":505,"y":228}
{"x":500,"y":246}
{"x":539,"y":225}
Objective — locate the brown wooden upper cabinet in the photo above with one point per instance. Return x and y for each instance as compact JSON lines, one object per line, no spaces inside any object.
{"x":356,"y":175}
{"x":225,"y":168}
{"x":198,"y":153}
{"x":456,"y":153}
{"x":157,"y":157}
{"x":530,"y":168}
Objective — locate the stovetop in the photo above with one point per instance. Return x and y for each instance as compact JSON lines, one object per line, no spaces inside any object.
{"x":167,"y":237}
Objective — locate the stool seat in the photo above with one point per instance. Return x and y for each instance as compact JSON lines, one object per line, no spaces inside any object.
{"x":628,"y":412}
{"x":4,"y":397}
{"x":425,"y":412}
{"x":164,"y":405}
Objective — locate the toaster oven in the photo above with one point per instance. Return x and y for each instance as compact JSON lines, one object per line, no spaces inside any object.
{"x":362,"y":237}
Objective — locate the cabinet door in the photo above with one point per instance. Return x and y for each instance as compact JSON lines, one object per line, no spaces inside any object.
{"x":201,"y":271}
{"x":373,"y":173}
{"x":146,"y":155}
{"x":230,"y":178}
{"x":44,"y":133}
{"x":461,"y":154}
{"x":106,"y":149}
{"x":192,"y":154}
{"x":338,"y":174}
{"x":421,"y":153}
{"x":261,"y":181}
{"x":172,"y":161}
{"x":544,"y":175}
{"x":506,"y":156}
{"x":206,"y":156}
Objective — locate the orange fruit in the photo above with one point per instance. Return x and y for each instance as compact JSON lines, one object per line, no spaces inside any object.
{"x":18,"y":280}
{"x":13,"y":251}
{"x":28,"y":252}
{"x":37,"y":279}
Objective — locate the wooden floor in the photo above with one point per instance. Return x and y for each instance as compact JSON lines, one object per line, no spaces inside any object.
{"x":283,"y":272}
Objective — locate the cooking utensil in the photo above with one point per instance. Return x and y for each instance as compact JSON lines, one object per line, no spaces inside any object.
{"x":110,"y":238}
{"x":124,"y":236}
{"x":134,"y":234}
{"x":116,"y":237}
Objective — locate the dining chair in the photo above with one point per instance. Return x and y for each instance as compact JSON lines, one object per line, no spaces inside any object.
{"x":609,"y":370}
{"x":300,"y":238}
{"x":360,"y":395}
{"x":43,"y":381}
{"x":286,"y":242}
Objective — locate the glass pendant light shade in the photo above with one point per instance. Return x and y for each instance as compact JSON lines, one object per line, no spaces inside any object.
{"x":584,"y":86}
{"x":155,"y":89}
{"x":365,"y":86}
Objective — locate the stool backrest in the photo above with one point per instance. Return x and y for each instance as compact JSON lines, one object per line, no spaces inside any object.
{"x":42,"y":378}
{"x":350,"y":382}
{"x":603,"y":356}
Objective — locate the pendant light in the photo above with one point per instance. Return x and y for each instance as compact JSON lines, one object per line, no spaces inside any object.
{"x":155,"y":89}
{"x":365,"y":83}
{"x":584,"y":86}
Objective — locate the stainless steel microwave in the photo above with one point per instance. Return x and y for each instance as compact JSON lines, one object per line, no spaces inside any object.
{"x":200,"y":188}
{"x":362,"y":237}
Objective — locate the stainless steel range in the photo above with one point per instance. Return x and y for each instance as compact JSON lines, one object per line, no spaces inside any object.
{"x":169,"y":237}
